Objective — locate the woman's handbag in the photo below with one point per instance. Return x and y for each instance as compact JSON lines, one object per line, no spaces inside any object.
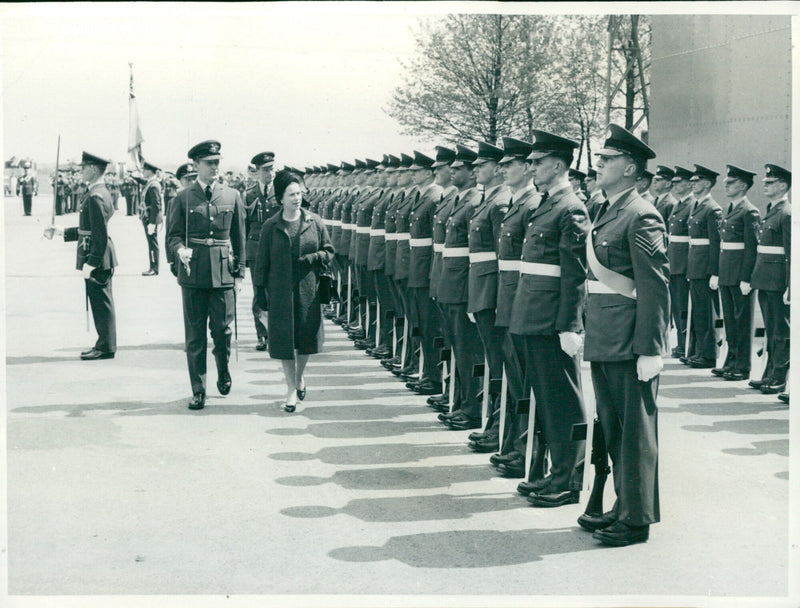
{"x":328,"y":289}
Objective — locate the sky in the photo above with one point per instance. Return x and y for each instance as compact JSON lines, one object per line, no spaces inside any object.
{"x":308,"y":82}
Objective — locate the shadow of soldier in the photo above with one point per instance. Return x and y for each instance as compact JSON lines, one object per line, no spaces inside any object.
{"x":373,"y":454}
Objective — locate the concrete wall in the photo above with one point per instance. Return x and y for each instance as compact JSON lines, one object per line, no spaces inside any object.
{"x":721,"y":93}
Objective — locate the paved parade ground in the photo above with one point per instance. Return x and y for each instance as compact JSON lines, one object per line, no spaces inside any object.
{"x":115,"y":488}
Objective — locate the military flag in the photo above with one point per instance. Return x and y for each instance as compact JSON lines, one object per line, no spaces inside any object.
{"x":135,"y":133}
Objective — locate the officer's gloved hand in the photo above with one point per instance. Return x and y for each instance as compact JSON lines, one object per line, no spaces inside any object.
{"x":471,"y":317}
{"x":570,"y":342}
{"x":151,"y":228}
{"x":648,"y":367}
{"x":713,"y":282}
{"x":745,"y":288}
{"x":185,"y":255}
{"x":786,"y":298}
{"x":87,"y":271}
{"x":237,"y":284}
{"x":53,"y":230}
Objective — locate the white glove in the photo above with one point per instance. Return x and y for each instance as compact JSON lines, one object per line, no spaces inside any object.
{"x":237,"y":285}
{"x":570,"y":342}
{"x":53,"y":230}
{"x":648,"y":367}
{"x":713,"y":282}
{"x":471,"y":317}
{"x":786,"y":298}
{"x":151,"y":228}
{"x":185,"y":255}
{"x":745,"y":288}
{"x":87,"y":271}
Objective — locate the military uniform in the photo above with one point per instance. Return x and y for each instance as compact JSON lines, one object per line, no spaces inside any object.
{"x":26,"y":186}
{"x":209,"y":220}
{"x":151,"y":215}
{"x":678,"y":254}
{"x":376,"y":265}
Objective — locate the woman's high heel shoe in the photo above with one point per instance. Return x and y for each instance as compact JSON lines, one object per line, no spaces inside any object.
{"x":301,"y":392}
{"x":289,"y":407}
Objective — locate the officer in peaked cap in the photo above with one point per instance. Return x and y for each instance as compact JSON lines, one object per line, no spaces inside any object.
{"x":27,"y":187}
{"x":737,"y":256}
{"x":626,"y":334}
{"x":259,"y":205}
{"x":576,"y":180}
{"x":660,"y":188}
{"x":96,"y":257}
{"x":772,"y":277}
{"x":547,"y":314}
{"x":518,"y":176}
{"x":643,"y":185}
{"x":702,"y":268}
{"x":678,"y":254}
{"x":205,"y":230}
{"x":151,"y":214}
{"x":596,"y":198}
{"x":186,"y":174}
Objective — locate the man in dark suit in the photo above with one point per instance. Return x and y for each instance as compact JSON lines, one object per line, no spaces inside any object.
{"x":678,"y":254}
{"x":151,"y":214}
{"x":206,"y":231}
{"x":772,"y":277}
{"x":548,"y":313}
{"x":626,"y":333}
{"x":702,"y":264}
{"x":259,"y":207}
{"x":96,"y":256}
{"x":737,"y":257}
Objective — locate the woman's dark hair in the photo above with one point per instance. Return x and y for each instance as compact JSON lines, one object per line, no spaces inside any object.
{"x":281,"y":182}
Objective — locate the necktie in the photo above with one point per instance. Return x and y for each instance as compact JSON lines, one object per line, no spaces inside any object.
{"x":730,"y":208}
{"x":601,"y":211}
{"x":544,"y":198}
{"x":208,"y":193}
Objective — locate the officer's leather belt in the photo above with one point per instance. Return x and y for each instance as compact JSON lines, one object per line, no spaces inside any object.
{"x":482,"y":256}
{"x":362,"y":229}
{"x":427,"y":242}
{"x":209,"y":242}
{"x":548,"y":270}
{"x":438,"y":247}
{"x":674,"y":238}
{"x":731,"y":245}
{"x":455,"y":252}
{"x":403,"y":236}
{"x":598,"y":287}
{"x":377,"y":232}
{"x":391,"y":236}
{"x":698,"y":242}
{"x":771,"y":249}
{"x":508,"y":265}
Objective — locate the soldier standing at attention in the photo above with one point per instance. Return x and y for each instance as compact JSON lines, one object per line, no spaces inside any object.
{"x":205,"y":229}
{"x":678,"y":253}
{"x":258,"y":210}
{"x":660,"y":188}
{"x":772,"y":277}
{"x":626,"y":330}
{"x":576,"y":180}
{"x":702,"y":268}
{"x":737,"y":257}
{"x":643,"y":183}
{"x":151,"y":214}
{"x":26,"y":186}
{"x":96,"y":256}
{"x":596,"y":197}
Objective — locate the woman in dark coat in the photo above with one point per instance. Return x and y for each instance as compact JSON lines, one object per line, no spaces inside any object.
{"x":293,"y":249}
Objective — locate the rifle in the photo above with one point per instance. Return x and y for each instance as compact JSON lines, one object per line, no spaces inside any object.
{"x":594,"y":506}
{"x":235,"y":323}
{"x":55,"y":183}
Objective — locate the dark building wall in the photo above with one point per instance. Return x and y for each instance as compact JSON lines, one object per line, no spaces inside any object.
{"x":721,"y":93}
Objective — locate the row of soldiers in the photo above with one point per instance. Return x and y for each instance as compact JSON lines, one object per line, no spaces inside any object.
{"x":499,"y":274}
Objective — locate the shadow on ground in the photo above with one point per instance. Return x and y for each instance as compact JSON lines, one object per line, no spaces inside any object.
{"x":379,"y":453}
{"x":768,"y":426}
{"x":728,"y":408}
{"x":358,"y":430}
{"x":410,"y":478}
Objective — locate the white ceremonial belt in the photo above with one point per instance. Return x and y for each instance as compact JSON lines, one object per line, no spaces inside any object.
{"x":548,"y":270}
{"x":336,"y":222}
{"x":403,"y":236}
{"x":482,"y":256}
{"x":699,"y":242}
{"x":598,"y":287}
{"x":348,"y":226}
{"x":505,"y":265}
{"x":455,"y":252}
{"x":438,"y":247}
{"x":377,"y":232}
{"x":731,"y":245}
{"x":771,"y":249}
{"x":427,"y":242}
{"x":362,"y":229}
{"x":674,"y":238}
{"x":390,"y":236}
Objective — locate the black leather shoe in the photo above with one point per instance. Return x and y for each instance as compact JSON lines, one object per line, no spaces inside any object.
{"x":429,"y":388}
{"x":289,"y":407}
{"x":784,"y":397}
{"x":719,"y":372}
{"x":96,"y":355}
{"x":514,"y":469}
{"x":620,"y":534}
{"x":593,"y":523}
{"x":464,"y":424}
{"x":701,"y":363}
{"x":301,"y":393}
{"x":198,"y":401}
{"x":380,"y":354}
{"x":449,"y":415}
{"x":262,"y":344}
{"x":485,"y":446}
{"x":757,"y":384}
{"x":773,"y":389}
{"x":224,"y":382}
{"x":150,"y":273}
{"x":734,"y":375}
{"x":684,"y":359}
{"x":444,"y":408}
{"x":496,"y":459}
{"x":438,"y":400}
{"x":677,"y":353}
{"x":86,"y":352}
{"x":554,"y":499}
{"x":531,"y":487}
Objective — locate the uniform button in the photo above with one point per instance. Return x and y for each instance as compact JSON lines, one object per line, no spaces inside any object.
{"x":524,"y":240}
{"x":530,"y":223}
